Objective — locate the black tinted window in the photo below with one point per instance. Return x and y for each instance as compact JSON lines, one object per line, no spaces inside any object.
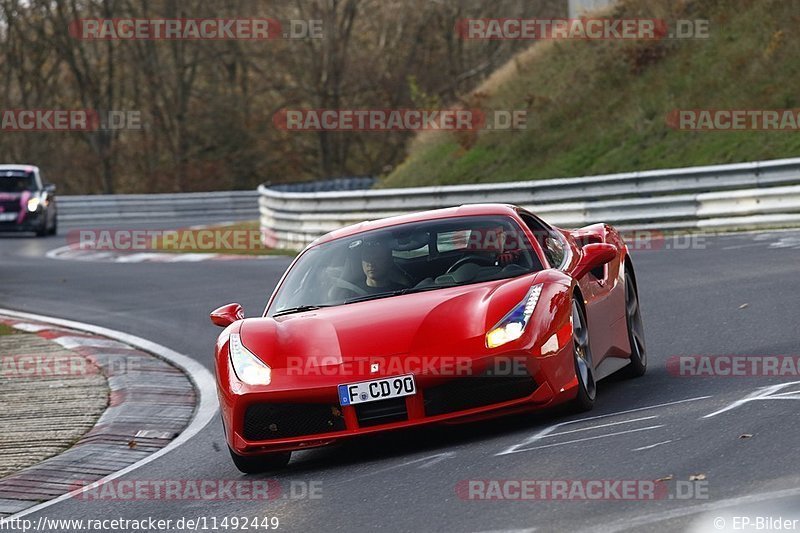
{"x":551,"y":241}
{"x":16,"y":182}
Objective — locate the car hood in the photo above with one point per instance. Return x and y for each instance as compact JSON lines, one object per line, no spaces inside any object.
{"x":438,"y":322}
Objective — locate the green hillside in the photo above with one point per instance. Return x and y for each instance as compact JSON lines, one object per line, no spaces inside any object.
{"x":597,"y":107}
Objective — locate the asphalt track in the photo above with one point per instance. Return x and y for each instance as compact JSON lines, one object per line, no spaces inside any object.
{"x":651,"y":428}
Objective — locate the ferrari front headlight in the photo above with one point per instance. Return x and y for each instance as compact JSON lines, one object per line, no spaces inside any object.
{"x":512,"y":326}
{"x":248,"y":368}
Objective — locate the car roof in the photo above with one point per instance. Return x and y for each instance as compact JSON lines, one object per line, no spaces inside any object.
{"x":448,"y":212}
{"x":24,"y":168}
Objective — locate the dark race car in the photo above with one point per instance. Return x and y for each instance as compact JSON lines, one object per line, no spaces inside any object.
{"x":445,"y":316}
{"x":27,"y":201}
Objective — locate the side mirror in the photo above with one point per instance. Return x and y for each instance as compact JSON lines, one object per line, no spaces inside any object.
{"x":227,"y":315}
{"x":50,"y":187}
{"x":594,"y":256}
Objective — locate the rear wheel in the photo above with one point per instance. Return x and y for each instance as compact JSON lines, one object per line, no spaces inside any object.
{"x":256,"y":464}
{"x":584,"y":369}
{"x":633,"y":317}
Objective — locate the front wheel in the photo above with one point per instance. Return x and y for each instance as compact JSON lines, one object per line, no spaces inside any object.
{"x":54,"y":227}
{"x":256,"y":464}
{"x":582,"y":355}
{"x":41,"y":231}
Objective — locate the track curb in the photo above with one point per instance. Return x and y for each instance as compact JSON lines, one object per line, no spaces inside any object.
{"x":128,"y":435}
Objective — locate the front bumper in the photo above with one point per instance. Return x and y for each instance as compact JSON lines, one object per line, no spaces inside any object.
{"x":279,"y":418}
{"x":31,"y":222}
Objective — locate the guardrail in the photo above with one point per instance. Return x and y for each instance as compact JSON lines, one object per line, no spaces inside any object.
{"x":345,"y":183}
{"x":720,"y":197}
{"x":136,"y":208}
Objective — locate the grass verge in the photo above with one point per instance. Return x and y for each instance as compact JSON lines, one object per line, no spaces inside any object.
{"x":240,"y":238}
{"x":598,"y":107}
{"x":5,"y":329}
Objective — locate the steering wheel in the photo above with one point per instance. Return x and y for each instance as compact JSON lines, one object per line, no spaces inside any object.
{"x":470,"y":259}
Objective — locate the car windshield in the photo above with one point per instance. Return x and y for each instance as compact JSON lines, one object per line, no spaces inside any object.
{"x":16,"y":182}
{"x":406,"y":258}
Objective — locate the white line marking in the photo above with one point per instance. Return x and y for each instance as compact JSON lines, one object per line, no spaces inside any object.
{"x":197,"y":373}
{"x":190,"y":257}
{"x":735,"y":404}
{"x":437,"y":459}
{"x":587,"y":438}
{"x":548,"y":430}
{"x":763,"y":393}
{"x":639,"y":520}
{"x":601,"y":426}
{"x":426,"y":462}
{"x":56,"y":253}
{"x":153,"y":434}
{"x":781,"y":398}
{"x":70,"y":342}
{"x":526,"y":530}
{"x":790,"y":393}
{"x":739,"y":246}
{"x":215,"y":224}
{"x":68,"y":253}
{"x":642,"y":409}
{"x":30,"y":328}
{"x":137,"y":257}
{"x":651,"y":446}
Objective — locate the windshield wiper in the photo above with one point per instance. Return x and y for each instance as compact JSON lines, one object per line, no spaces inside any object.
{"x":412,"y":290}
{"x":375,"y":296}
{"x":397,"y":292}
{"x":298,"y":309}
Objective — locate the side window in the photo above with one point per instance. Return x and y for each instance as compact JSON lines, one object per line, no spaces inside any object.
{"x":452,"y":240}
{"x":411,"y":246}
{"x":554,"y":250}
{"x":411,"y":254}
{"x":551,"y":242}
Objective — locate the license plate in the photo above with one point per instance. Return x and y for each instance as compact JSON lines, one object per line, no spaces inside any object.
{"x":377,"y":389}
{"x":5,"y":217}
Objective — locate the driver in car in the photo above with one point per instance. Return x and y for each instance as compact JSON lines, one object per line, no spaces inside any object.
{"x":379,"y":268}
{"x":369,"y":269}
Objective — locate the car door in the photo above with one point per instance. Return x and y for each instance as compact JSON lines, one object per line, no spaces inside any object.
{"x":597,"y":287}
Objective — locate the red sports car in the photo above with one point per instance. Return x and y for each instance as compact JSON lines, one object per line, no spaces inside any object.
{"x":451,"y":315}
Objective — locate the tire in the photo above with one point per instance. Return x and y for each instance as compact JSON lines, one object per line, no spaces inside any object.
{"x":54,"y":229}
{"x":41,"y":231}
{"x":635,"y":327}
{"x":256,"y":464}
{"x":582,"y":357}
